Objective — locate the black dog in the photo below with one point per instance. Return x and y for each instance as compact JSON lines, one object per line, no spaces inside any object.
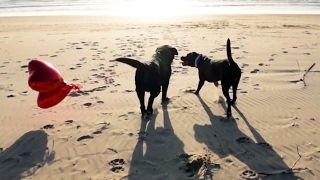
{"x":153,"y":75}
{"x":226,"y":70}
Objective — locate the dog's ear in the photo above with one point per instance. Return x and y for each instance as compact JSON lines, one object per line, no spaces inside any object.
{"x":192,"y":55}
{"x":174,"y":51}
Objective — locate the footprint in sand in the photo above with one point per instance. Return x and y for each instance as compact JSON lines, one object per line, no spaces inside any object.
{"x":68,"y":121}
{"x":306,"y":54}
{"x":306,"y":32}
{"x":243,"y":92}
{"x":243,"y":140}
{"x":228,"y":160}
{"x":87,"y":104}
{"x":11,"y":96}
{"x":255,"y":71}
{"x":249,"y":174}
{"x":82,"y":59}
{"x":128,"y":91}
{"x":84,"y":138}
{"x":246,"y":79}
{"x":285,"y":52}
{"x":113,"y":150}
{"x":104,"y":127}
{"x":24,"y":66}
{"x":48,"y":126}
{"x":10,"y":160}
{"x":256,"y":87}
{"x":100,"y":102}
{"x":244,"y":65}
{"x":123,"y":117}
{"x":23,"y":93}
{"x":117,"y":165}
{"x":264,"y":145}
{"x":101,"y":88}
{"x":24,"y":155}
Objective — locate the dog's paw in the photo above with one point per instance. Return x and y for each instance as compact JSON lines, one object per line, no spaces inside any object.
{"x":233,"y":102}
{"x":165,"y":99}
{"x":149,"y":112}
{"x":143,"y":115}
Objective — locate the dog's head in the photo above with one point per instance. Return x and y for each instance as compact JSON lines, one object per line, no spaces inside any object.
{"x":167,"y":53}
{"x":189,"y":59}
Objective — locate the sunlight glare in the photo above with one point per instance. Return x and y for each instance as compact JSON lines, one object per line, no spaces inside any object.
{"x":150,"y":8}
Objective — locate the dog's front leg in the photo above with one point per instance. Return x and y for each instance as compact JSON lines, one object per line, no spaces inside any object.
{"x":165,"y":85}
{"x":200,"y":84}
{"x":153,"y":94}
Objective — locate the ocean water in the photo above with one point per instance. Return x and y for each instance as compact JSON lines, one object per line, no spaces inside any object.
{"x":149,"y":8}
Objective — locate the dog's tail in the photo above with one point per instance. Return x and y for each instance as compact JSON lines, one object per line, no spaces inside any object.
{"x":230,"y":59}
{"x":132,"y":62}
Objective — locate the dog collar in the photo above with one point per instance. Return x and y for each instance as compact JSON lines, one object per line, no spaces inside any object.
{"x":196,"y":61}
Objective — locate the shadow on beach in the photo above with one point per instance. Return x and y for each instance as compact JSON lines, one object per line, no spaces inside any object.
{"x":25,"y":156}
{"x":161,"y":146}
{"x":224,"y":138}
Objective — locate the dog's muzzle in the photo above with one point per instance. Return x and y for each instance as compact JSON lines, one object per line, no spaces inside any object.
{"x":184,"y":62}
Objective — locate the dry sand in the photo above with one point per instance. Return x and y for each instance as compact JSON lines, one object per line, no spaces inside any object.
{"x":274,"y":114}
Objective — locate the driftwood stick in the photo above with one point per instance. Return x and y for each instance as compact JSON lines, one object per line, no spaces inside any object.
{"x":297,"y":159}
{"x":290,"y":169}
{"x":302,"y":79}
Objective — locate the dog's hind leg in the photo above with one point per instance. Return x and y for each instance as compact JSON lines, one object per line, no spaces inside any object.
{"x":225,"y":90}
{"x":140,"y":94}
{"x":234,"y":90}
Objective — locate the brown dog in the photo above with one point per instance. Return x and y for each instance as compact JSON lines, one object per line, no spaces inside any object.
{"x":227,"y":71}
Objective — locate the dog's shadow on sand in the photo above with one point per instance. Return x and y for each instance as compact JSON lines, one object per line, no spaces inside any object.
{"x":25,"y":156}
{"x":153,"y":155}
{"x":225,"y":139}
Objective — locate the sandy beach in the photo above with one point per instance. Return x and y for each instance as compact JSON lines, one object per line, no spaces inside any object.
{"x":99,"y":135}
